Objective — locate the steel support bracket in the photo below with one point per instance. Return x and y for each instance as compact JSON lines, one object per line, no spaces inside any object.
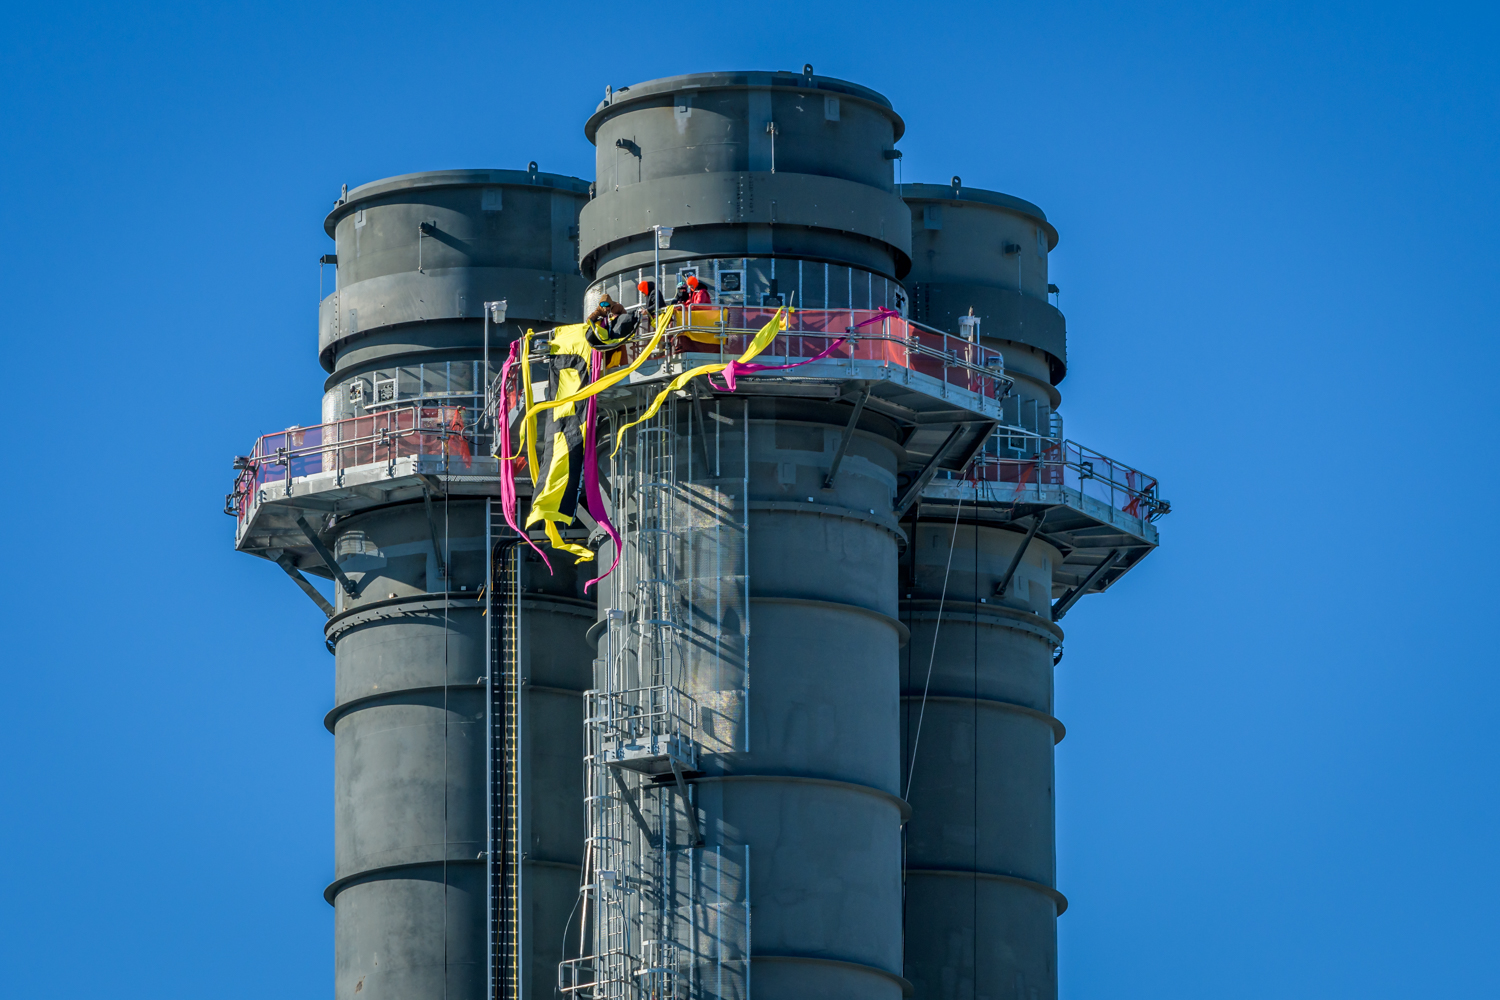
{"x":848,"y":435}
{"x":286,"y":563}
{"x":687,"y":804}
{"x":1067,"y":600}
{"x":437,"y":549}
{"x":629,"y":797}
{"x":914,"y":490}
{"x":1015,"y":561}
{"x":326,"y":556}
{"x":708,"y":462}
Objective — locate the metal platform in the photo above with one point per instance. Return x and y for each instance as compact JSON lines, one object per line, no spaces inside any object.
{"x":1099,"y":542}
{"x":268,"y":526}
{"x":946,"y":393}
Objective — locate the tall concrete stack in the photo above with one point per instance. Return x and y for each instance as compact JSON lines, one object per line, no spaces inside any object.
{"x":851,"y":572}
{"x":783,"y":181}
{"x":981,"y":873}
{"x":418,"y":257}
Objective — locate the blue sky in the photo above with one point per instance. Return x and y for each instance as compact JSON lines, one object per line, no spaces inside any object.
{"x":1278,"y":262}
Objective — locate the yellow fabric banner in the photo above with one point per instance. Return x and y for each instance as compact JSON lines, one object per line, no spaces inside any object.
{"x":614,"y":377}
{"x":549,"y":485}
{"x":759,"y":343}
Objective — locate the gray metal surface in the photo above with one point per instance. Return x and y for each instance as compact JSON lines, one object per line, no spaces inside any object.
{"x":986,"y":251}
{"x":698,"y":152}
{"x":824,"y":647}
{"x":410,"y":780}
{"x":810,"y":783}
{"x":977,"y":735}
{"x":782,"y":175}
{"x":855,"y":668}
{"x":419,"y":255}
{"x":981,"y":899}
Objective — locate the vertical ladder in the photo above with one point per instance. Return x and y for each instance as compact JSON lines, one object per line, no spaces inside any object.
{"x":665,"y":916}
{"x":503,"y":738}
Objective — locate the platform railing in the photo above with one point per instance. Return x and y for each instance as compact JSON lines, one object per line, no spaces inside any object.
{"x":642,"y":713}
{"x":449,"y":432}
{"x":723,"y":332}
{"x":1014,"y":462}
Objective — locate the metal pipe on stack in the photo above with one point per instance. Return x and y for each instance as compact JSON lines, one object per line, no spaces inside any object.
{"x":418,"y":257}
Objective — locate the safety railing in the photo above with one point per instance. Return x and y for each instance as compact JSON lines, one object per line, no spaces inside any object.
{"x":642,"y":713}
{"x":449,"y":432}
{"x":575,"y":975}
{"x":869,"y":335}
{"x":1014,"y":462}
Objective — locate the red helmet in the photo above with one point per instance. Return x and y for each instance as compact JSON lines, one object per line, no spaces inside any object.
{"x":692,"y":281}
{"x":644,"y":287}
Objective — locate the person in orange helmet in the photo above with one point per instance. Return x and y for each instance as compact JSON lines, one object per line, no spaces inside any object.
{"x":698,"y":294}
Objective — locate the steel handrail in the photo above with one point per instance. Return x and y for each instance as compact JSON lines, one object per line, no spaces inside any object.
{"x":828,"y":325}
{"x":383,"y":429}
{"x":378,"y":435}
{"x":1129,"y":489}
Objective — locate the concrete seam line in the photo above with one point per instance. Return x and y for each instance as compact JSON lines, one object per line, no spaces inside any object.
{"x":551,"y":689}
{"x":619,"y":218}
{"x":901,"y":630}
{"x":827,"y":510}
{"x":397,"y":607}
{"x":622,"y":103}
{"x":1026,"y":883}
{"x":1026,"y":628}
{"x":1058,"y":729}
{"x":906,"y":987}
{"x":337,"y":712}
{"x":802,"y":779}
{"x":903,"y":633}
{"x":403,"y":607}
{"x":338,"y":885}
{"x":562,"y":605}
{"x":992,"y":614}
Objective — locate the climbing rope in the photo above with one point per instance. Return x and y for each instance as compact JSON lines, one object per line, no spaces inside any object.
{"x":937,"y":626}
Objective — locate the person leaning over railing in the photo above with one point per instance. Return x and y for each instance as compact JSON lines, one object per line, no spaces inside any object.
{"x":611,"y":324}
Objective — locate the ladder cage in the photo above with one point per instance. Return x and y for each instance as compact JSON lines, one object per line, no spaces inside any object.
{"x":665,"y":903}
{"x":503,"y":716}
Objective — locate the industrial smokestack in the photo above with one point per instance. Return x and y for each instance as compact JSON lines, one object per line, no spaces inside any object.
{"x":834,"y":527}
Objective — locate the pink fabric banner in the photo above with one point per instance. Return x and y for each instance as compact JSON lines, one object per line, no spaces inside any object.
{"x":591,"y":495}
{"x":507,"y":460}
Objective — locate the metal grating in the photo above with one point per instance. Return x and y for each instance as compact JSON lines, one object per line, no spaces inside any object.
{"x":503,"y":726}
